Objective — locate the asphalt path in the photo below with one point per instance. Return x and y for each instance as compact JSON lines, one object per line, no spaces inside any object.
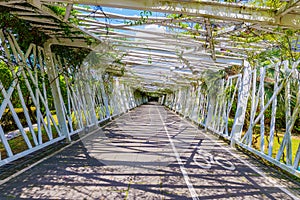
{"x":147,"y":153}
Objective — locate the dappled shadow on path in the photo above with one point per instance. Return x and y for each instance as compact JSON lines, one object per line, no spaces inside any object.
{"x":134,"y":159}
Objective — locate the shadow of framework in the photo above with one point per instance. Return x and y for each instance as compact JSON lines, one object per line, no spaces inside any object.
{"x":74,"y":168}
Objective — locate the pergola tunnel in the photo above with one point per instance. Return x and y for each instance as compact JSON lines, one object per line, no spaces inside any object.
{"x":231,"y":68}
{"x":61,"y":105}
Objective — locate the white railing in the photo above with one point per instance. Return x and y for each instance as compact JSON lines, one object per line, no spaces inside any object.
{"x":85,"y":102}
{"x":244,"y":110}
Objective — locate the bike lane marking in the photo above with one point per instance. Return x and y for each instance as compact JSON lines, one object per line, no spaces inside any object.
{"x":251,"y":166}
{"x":210,"y":159}
{"x":181,"y":165}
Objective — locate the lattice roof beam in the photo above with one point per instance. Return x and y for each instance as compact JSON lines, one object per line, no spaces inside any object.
{"x":209,"y":9}
{"x":197,"y":56}
{"x":200,"y":65}
{"x":45,"y":10}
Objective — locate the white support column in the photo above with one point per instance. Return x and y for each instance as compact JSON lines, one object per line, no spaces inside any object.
{"x":254,"y":103}
{"x":274,"y":109}
{"x":131,"y":97}
{"x":196,"y":108}
{"x":222,"y":104}
{"x":262,"y":105}
{"x":210,"y":111}
{"x":242,"y":105}
{"x":288,"y":120}
{"x":178,"y":102}
{"x":42,"y":67}
{"x":163,"y":99}
{"x":231,"y":101}
{"x":57,"y":97}
{"x":188,"y":102}
{"x":123,"y":92}
{"x":116,"y":102}
{"x":90,"y":103}
{"x":120,"y":96}
{"x":174,"y":100}
{"x":104,"y":97}
{"x":128,"y":97}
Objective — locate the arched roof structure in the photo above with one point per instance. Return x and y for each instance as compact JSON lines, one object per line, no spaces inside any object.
{"x":198,"y":56}
{"x":150,"y":39}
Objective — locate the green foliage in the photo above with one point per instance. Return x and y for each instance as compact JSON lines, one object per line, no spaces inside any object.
{"x":107,"y":82}
{"x":60,"y":11}
{"x":143,"y":20}
{"x":164,"y":91}
{"x":210,"y":82}
{"x":274,"y":4}
{"x":26,"y":34}
{"x":72,"y":58}
{"x":5,"y":78}
{"x":183,"y":25}
{"x":284,"y":42}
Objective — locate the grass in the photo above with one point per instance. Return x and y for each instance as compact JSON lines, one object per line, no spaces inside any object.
{"x":19,"y":145}
{"x":276,"y":145}
{"x":19,"y":110}
{"x":55,"y":119}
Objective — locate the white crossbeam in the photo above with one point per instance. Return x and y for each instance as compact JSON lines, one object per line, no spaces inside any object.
{"x":211,"y":9}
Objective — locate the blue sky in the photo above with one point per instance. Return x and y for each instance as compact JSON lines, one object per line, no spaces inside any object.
{"x":123,"y":11}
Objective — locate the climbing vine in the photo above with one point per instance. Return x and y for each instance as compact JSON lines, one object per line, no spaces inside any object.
{"x":24,"y":32}
{"x":144,"y":15}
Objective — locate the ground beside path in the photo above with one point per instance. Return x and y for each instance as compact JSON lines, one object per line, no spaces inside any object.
{"x":148,"y":153}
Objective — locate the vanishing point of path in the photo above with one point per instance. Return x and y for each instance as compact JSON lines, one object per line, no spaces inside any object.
{"x":147,"y":153}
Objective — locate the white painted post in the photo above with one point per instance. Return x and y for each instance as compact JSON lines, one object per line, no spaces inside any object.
{"x":163,"y":99}
{"x":187,"y":102}
{"x":42,"y":67}
{"x":242,"y":105}
{"x":174,"y":101}
{"x":213,"y":104}
{"x":120,"y":96}
{"x":254,"y":103}
{"x":57,"y":97}
{"x":288,"y":119}
{"x":222,"y":105}
{"x":262,"y":104}
{"x":104,"y":97}
{"x":273,"y":116}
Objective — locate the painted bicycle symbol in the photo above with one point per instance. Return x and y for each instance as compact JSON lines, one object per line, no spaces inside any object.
{"x":205,"y":160}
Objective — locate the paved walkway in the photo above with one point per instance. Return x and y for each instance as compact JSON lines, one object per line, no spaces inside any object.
{"x":148,"y":153}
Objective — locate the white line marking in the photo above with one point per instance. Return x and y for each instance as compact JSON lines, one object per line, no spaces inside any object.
{"x":183,"y":170}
